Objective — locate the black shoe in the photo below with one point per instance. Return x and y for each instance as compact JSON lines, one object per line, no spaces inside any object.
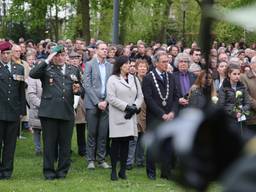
{"x":82,"y":152}
{"x":2,"y":177}
{"x":49,"y":177}
{"x":129,"y":167}
{"x":122,"y":175}
{"x":113,"y":176}
{"x":166,"y":176}
{"x":151,"y":177}
{"x":61,"y":176}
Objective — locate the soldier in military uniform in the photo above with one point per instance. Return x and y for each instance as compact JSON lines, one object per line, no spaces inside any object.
{"x":60,"y":83}
{"x":12,"y":107}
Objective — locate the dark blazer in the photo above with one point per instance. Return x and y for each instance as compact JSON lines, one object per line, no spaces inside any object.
{"x":57,"y":97}
{"x":191,"y":77}
{"x":12,"y":92}
{"x":155,"y":109}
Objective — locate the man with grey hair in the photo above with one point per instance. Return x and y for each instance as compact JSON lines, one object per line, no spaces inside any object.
{"x":249,"y":80}
{"x":161,"y":99}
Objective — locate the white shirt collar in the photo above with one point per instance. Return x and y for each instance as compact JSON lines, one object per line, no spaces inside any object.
{"x":159,"y":72}
{"x":98,"y":61}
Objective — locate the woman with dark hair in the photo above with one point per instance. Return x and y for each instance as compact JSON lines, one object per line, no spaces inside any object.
{"x":202,"y":89}
{"x":125,"y":97}
{"x":233,"y":96}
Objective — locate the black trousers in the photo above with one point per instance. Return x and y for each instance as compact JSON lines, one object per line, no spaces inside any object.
{"x":119,"y":151}
{"x":8,"y":136}
{"x":57,"y":134}
{"x":80,"y":135}
{"x":166,"y":160}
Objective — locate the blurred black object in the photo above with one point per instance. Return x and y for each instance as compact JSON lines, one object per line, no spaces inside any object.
{"x":203,"y":141}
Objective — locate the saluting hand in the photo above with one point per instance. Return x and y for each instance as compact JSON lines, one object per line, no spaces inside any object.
{"x":49,"y":58}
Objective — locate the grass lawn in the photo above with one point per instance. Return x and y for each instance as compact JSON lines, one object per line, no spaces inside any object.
{"x":27,"y":176}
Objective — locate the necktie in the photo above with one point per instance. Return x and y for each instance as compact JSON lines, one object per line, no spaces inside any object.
{"x":61,"y":69}
{"x":163,"y":78}
{"x":7,"y":67}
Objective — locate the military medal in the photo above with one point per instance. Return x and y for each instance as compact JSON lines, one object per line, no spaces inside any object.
{"x":164,"y":102}
{"x":51,"y":81}
{"x":73,"y":78}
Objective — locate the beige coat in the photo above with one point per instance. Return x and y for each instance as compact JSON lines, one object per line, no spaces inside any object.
{"x":119,"y":95}
{"x":249,"y":80}
{"x":80,"y":112}
{"x":34,"y":92}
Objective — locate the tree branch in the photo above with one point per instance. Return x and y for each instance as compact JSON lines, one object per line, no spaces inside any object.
{"x":199,"y":3}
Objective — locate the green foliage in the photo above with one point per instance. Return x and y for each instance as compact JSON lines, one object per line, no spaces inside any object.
{"x":229,"y":33}
{"x":146,"y":20}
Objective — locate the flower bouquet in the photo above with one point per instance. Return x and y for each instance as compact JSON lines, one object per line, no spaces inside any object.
{"x":238,"y":109}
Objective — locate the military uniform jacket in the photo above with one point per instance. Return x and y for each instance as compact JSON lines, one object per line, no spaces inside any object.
{"x":57,"y":98}
{"x":12,"y":92}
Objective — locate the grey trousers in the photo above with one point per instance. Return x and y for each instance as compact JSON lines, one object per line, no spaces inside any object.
{"x":97,"y":134}
{"x":136,"y":151}
{"x":37,"y":139}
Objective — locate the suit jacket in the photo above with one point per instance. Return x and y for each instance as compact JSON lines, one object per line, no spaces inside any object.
{"x":119,"y":95}
{"x":155,"y":109}
{"x":92,"y":83}
{"x":12,"y":92}
{"x":57,"y":97}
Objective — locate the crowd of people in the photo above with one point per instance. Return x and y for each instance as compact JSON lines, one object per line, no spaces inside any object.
{"x":117,"y":93}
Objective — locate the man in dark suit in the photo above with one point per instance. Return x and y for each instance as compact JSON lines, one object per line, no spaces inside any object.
{"x":60,"y":83}
{"x":183,"y":78}
{"x":97,"y":72}
{"x":12,"y":107}
{"x":161,"y":99}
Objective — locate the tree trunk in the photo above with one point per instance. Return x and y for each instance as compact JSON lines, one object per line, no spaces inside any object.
{"x":125,"y":9}
{"x":56,"y":23}
{"x":84,"y":10}
{"x":162,"y":34}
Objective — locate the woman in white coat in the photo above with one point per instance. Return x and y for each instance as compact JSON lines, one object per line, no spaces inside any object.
{"x":125,"y":97}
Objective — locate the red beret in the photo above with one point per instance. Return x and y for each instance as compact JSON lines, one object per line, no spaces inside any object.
{"x":5,"y":46}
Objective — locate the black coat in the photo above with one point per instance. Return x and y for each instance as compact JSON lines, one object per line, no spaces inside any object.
{"x":227,"y":97}
{"x":57,"y":97}
{"x":12,"y":92}
{"x":155,"y":109}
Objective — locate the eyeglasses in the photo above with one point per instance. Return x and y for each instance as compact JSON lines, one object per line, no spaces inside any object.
{"x":184,"y":61}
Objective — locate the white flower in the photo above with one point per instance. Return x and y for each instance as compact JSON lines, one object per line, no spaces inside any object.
{"x":215,"y":99}
{"x":238,"y":94}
